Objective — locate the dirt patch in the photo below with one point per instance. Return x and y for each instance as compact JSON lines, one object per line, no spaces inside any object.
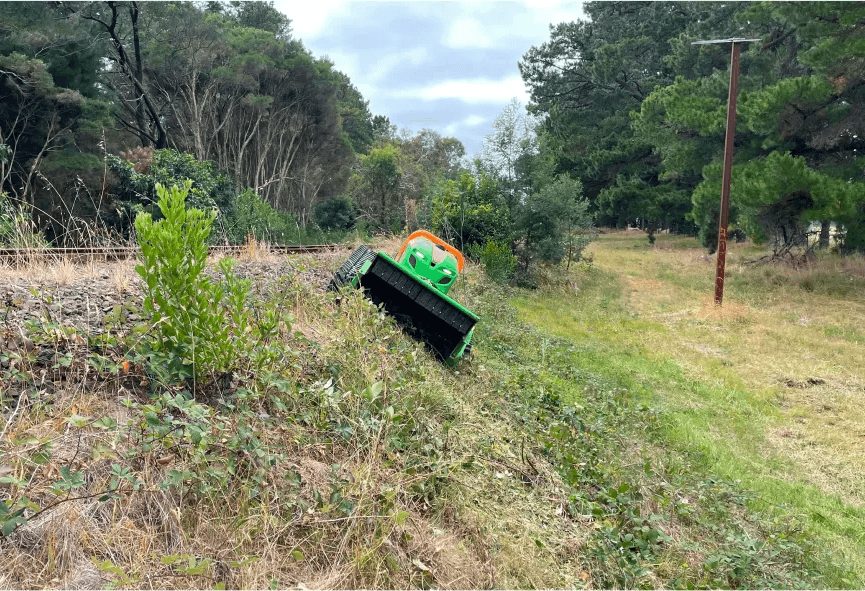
{"x":90,"y":297}
{"x":809,"y":383}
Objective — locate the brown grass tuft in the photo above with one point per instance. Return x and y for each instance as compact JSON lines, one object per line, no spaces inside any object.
{"x":728,"y":310}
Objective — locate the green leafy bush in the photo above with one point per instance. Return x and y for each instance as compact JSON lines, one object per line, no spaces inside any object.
{"x":71,"y":159}
{"x":250,"y":214}
{"x":209,"y":188}
{"x":551,"y":225}
{"x":498,"y":259}
{"x":471,"y":211}
{"x":198,"y":324}
{"x":136,"y":187}
{"x":337,"y":213}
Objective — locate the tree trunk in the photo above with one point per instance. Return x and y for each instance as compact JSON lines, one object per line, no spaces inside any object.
{"x":825,"y":227}
{"x":154,"y":132}
{"x":138,"y":73}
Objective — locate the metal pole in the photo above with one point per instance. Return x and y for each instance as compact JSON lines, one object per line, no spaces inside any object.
{"x":724,"y":219}
{"x":728,"y":160}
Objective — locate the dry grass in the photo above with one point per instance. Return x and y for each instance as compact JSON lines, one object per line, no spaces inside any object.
{"x":481,"y":530}
{"x":61,"y":270}
{"x":256,"y":250}
{"x":760,"y":339}
{"x":410,"y":547}
{"x":123,"y":275}
{"x":454,"y":492}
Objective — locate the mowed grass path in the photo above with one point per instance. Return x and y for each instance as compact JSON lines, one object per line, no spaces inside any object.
{"x":770,"y":387}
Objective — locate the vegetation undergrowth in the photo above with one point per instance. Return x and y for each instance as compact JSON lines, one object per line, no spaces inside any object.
{"x":328,"y":449}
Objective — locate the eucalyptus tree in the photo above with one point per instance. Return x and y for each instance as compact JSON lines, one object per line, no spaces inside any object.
{"x":426,"y":160}
{"x":229,"y":84}
{"x":512,"y":138}
{"x":356,"y":120}
{"x":124,"y":24}
{"x":376,"y":186}
{"x":257,"y":102}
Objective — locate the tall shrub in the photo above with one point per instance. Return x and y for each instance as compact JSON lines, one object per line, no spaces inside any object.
{"x":196,"y":322}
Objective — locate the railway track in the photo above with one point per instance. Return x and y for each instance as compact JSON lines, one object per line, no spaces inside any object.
{"x":113,"y":253}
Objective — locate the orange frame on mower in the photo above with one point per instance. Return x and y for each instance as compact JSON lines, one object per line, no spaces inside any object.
{"x":435,"y":240}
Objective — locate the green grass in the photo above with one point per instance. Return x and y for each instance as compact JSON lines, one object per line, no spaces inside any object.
{"x":848,"y":334}
{"x":713,"y":408}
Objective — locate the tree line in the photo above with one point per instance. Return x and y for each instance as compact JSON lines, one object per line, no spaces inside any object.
{"x":625,"y":126}
{"x":630,"y":107}
{"x":101,"y":100}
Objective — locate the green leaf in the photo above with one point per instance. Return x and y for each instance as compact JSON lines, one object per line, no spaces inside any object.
{"x":400,"y":517}
{"x":105,"y":423}
{"x":9,"y":525}
{"x":108,"y":567}
{"x":16,"y":482}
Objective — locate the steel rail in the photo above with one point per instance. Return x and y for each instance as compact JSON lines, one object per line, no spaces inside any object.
{"x":122,"y":252}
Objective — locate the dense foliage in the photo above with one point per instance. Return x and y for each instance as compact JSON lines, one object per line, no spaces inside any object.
{"x":637,"y":112}
{"x":240,"y":97}
{"x":622,"y":103}
{"x":337,"y":213}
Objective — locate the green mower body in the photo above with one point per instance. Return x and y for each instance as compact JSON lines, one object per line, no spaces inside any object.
{"x":413,"y":289}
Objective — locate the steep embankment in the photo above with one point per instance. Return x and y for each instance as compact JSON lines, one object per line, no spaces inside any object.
{"x":347,"y":458}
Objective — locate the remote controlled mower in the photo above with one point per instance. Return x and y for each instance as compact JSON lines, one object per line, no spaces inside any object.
{"x":413,"y":289}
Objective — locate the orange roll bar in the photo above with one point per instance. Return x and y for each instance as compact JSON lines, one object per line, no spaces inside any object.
{"x":435,"y":239}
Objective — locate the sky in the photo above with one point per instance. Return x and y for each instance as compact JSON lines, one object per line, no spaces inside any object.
{"x":446,"y":66}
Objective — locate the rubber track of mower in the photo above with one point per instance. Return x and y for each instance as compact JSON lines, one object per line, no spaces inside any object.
{"x":349,"y":269}
{"x":424,"y":312}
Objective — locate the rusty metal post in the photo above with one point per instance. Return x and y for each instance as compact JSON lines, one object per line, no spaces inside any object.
{"x":726,"y":179}
{"x":728,"y":160}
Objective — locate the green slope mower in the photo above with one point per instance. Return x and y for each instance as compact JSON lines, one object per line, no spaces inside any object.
{"x":413,"y":289}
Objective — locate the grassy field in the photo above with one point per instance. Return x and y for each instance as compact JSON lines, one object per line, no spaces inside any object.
{"x":767,"y":389}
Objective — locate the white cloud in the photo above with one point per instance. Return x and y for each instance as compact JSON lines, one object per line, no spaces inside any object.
{"x":491,"y":24}
{"x":452,"y":129}
{"x":310,"y":19}
{"x":479,"y":90}
{"x":466,"y":32}
{"x":542,"y":15}
{"x":387,"y":64}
